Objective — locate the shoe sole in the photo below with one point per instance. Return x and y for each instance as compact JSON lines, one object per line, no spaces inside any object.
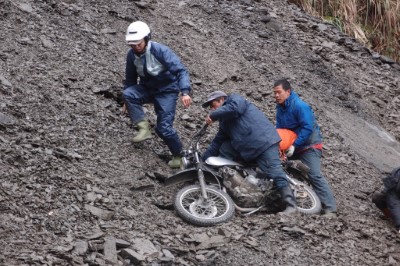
{"x":136,"y":141}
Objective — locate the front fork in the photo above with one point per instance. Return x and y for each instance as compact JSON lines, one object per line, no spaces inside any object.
{"x":292,"y":181}
{"x":298,"y":187}
{"x":200,"y":175}
{"x":202,"y":183}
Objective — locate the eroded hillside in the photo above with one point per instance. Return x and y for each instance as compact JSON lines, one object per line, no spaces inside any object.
{"x":75,"y":191}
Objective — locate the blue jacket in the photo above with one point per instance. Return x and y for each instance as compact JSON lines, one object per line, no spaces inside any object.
{"x":159,"y":69}
{"x":298,"y":116}
{"x":245,"y":126}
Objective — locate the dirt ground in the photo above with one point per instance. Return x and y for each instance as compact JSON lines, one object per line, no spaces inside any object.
{"x":74,"y":190}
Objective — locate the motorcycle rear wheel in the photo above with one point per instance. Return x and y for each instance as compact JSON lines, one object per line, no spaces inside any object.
{"x":192,"y":208}
{"x":306,"y":199}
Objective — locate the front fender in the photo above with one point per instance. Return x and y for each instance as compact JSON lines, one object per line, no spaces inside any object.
{"x":190,"y":175}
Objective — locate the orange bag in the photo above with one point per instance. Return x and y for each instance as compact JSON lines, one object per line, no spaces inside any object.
{"x":288,"y":138}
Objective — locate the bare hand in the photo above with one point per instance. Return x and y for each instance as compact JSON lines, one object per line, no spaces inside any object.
{"x":186,"y":100}
{"x":209,"y":120}
{"x":124,"y":109}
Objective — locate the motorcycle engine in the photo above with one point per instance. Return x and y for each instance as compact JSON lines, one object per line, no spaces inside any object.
{"x":243,"y":193}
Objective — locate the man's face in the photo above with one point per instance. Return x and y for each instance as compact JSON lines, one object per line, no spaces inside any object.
{"x":216,"y":104}
{"x":140,"y":47}
{"x":280,"y":94}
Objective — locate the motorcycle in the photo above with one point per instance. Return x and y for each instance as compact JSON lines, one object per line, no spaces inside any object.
{"x":219,"y":186}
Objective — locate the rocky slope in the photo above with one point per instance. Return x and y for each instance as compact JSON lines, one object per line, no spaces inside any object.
{"x":75,"y":191}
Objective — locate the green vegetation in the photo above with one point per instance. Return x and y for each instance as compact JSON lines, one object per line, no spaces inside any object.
{"x":376,"y":23}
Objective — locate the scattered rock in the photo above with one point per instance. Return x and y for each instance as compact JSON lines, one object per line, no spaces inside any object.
{"x":5,"y":82}
{"x":133,"y":256}
{"x":387,"y":60}
{"x":100,"y":213}
{"x":6,"y":120}
{"x":212,"y":242}
{"x":81,"y":247}
{"x":144,"y":247}
{"x":75,"y":191}
{"x":320,"y":27}
{"x":110,"y":250}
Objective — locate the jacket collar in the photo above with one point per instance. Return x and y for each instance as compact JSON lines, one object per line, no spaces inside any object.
{"x":292,"y":97}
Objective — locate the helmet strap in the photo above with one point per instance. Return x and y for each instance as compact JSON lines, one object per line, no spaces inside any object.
{"x":147,"y":38}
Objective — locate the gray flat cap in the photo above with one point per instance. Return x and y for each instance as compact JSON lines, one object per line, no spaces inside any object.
{"x":212,"y":96}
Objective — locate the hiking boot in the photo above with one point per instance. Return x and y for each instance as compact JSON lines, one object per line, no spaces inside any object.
{"x":144,"y":131}
{"x":329,"y":214}
{"x":175,"y":162}
{"x":289,"y":200}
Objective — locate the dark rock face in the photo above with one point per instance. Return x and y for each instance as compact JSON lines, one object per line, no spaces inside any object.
{"x":75,"y":191}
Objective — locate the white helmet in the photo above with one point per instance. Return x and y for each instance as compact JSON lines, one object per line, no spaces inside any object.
{"x":136,"y":32}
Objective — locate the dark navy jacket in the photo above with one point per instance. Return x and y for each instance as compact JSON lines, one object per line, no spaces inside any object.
{"x":245,"y":126}
{"x":392,"y":191}
{"x":159,"y":69}
{"x":298,"y":116}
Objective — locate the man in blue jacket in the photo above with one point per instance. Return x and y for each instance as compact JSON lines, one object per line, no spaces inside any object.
{"x":294,"y":114}
{"x":245,"y":133}
{"x":161,"y":78}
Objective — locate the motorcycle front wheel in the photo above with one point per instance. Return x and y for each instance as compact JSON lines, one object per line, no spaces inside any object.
{"x":194,"y":209}
{"x":306,"y":199}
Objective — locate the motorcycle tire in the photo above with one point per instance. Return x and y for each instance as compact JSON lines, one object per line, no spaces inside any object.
{"x":306,"y":199}
{"x":218,"y":208}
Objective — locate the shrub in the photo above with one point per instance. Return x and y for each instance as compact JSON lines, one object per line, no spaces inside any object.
{"x":376,"y":23}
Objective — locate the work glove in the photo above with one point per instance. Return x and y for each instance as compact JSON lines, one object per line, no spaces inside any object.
{"x":290,"y":151}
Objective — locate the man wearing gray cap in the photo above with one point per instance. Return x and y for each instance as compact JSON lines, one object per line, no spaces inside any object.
{"x":245,"y":133}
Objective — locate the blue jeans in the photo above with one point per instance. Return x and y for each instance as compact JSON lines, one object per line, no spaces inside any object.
{"x":268,"y":162}
{"x":164,"y":106}
{"x":312,"y":158}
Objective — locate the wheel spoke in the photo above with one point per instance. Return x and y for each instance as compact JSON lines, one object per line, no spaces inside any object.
{"x":306,"y":199}
{"x":192,"y":207}
{"x":214,"y":206}
{"x":303,"y":199}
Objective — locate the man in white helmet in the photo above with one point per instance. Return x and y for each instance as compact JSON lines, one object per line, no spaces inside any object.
{"x":154,"y":74}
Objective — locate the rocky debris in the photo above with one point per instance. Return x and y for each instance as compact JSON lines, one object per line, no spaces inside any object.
{"x":4,"y":82}
{"x":75,"y":191}
{"x":100,"y":213}
{"x":6,"y":121}
{"x":81,"y":247}
{"x":132,"y":256}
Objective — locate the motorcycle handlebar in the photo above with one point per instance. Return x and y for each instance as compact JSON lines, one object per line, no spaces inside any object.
{"x":201,"y":132}
{"x":203,"y":129}
{"x":196,"y":137}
